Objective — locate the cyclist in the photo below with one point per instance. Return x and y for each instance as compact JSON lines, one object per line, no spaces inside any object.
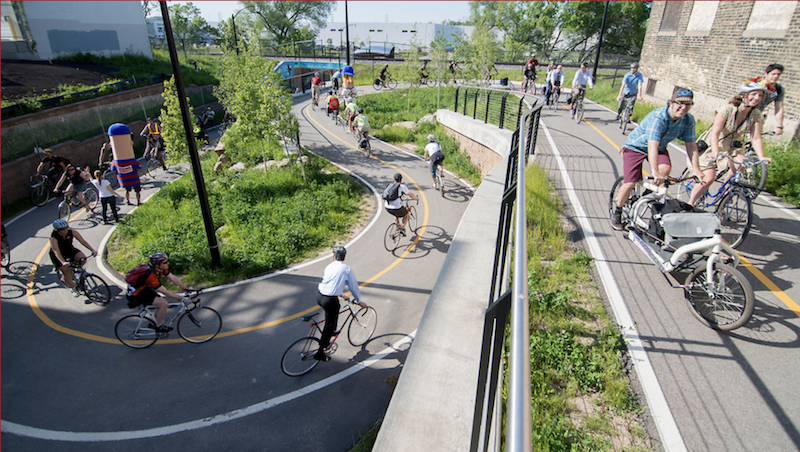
{"x":453,"y":66}
{"x":554,"y":79}
{"x":423,"y":72}
{"x":350,"y":110}
{"x":336,"y":79}
{"x":530,"y":76}
{"x":316,"y":85}
{"x":732,"y":124}
{"x":775,"y":94}
{"x":151,"y":130}
{"x":147,"y":292}
{"x":384,"y":73}
{"x":78,"y":181}
{"x":396,"y":208}
{"x":433,"y":152}
{"x":334,"y":277}
{"x":208,"y":117}
{"x":361,"y":123}
{"x":56,"y":166}
{"x":649,"y":142}
{"x":332,"y":104}
{"x":106,"y":155}
{"x":489,"y":69}
{"x":534,"y":62}
{"x":62,"y":251}
{"x":631,"y":89}
{"x":582,"y":78}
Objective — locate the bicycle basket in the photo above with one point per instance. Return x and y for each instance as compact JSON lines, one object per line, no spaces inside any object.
{"x":688,"y":225}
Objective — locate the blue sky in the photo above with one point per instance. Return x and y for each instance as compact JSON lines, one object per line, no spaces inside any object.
{"x":360,"y":11}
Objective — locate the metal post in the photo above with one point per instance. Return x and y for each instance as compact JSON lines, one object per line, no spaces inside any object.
{"x":197,"y":170}
{"x":599,"y":44}
{"x":347,"y":31}
{"x":235,"y":42}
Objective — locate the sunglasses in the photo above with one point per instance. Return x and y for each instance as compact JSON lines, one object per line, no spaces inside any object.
{"x":685,"y":104}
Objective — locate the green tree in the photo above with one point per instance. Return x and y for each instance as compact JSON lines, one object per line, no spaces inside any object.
{"x":282,"y":21}
{"x":172,"y":129}
{"x":188,"y":27}
{"x":626,"y":24}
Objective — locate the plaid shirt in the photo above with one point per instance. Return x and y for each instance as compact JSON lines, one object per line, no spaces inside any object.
{"x":658,"y":126}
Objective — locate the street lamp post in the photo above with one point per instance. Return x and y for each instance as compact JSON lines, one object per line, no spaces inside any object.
{"x":233,"y":21}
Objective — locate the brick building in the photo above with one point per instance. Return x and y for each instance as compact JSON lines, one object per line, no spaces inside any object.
{"x":711,"y":47}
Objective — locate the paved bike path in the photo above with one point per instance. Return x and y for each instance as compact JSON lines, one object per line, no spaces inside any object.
{"x":725,"y":391}
{"x":87,"y":391}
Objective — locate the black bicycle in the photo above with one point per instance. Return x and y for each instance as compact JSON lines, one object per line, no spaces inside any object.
{"x":5,"y":257}
{"x":391,"y":238}
{"x":627,"y":112}
{"x":41,"y":188}
{"x":90,"y":285}
{"x":553,"y":95}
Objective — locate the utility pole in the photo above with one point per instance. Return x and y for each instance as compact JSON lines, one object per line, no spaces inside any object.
{"x":347,"y":31}
{"x":202,"y":195}
{"x":599,"y":44}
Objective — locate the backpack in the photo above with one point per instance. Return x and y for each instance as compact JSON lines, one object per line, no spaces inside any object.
{"x":334,"y":104}
{"x":137,"y":275}
{"x":391,"y":192}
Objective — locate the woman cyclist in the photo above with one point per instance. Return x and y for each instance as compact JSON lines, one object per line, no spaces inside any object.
{"x":62,"y":251}
{"x":78,"y":181}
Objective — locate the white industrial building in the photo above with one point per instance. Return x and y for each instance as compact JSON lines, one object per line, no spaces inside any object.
{"x":44,"y":30}
{"x":362,"y":34}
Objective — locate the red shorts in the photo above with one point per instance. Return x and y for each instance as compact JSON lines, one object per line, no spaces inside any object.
{"x":632,"y":163}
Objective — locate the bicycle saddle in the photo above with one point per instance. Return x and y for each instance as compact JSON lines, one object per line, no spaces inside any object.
{"x":310,"y":316}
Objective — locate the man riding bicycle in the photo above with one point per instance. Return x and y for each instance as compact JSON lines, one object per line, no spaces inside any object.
{"x":581,"y":80}
{"x":395,"y":206}
{"x":423,"y":71}
{"x":147,"y":290}
{"x":316,"y":86}
{"x":384,"y":73}
{"x":334,"y":278}
{"x":775,"y":93}
{"x":631,"y":89}
{"x":332,"y":104}
{"x":361,"y":123}
{"x":649,"y":142}
{"x":553,"y":81}
{"x":56,"y":166}
{"x":350,"y":111}
{"x":433,"y":152}
{"x":453,"y":66}
{"x":152,"y":130}
{"x":62,"y":251}
{"x":530,"y":76}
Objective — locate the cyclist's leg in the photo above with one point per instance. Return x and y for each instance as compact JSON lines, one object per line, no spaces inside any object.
{"x":331,"y":307}
{"x":161,"y":304}
{"x":709,"y":168}
{"x":66,"y":275}
{"x":620,"y":106}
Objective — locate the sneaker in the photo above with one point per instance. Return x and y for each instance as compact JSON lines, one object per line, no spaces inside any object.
{"x":402,"y":231}
{"x":163,"y":329}
{"x":129,"y":202}
{"x":616,"y":219}
{"x":617,"y":118}
{"x":322,"y":357}
{"x":74,"y":292}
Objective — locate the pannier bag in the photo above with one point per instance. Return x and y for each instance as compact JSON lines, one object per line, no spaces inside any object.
{"x":678,"y":227}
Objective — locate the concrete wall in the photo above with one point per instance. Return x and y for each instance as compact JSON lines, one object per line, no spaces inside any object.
{"x":713,"y":47}
{"x":433,"y":404}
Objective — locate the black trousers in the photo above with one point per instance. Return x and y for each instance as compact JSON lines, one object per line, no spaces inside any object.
{"x":331,"y":307}
{"x":110,"y":201}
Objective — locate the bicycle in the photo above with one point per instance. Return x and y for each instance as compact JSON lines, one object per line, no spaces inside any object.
{"x":529,"y":83}
{"x":732,"y":203}
{"x":41,"y":188}
{"x":717,"y":294}
{"x":299,"y":359}
{"x":92,"y":286}
{"x":154,"y":159}
{"x":363,"y":143}
{"x":71,"y":201}
{"x":196,"y":324}
{"x":391,"y":239}
{"x":754,"y":174}
{"x":553,"y":95}
{"x":389,"y":83}
{"x":5,"y":251}
{"x":627,"y":111}
{"x":424,"y":81}
{"x":576,"y":112}
{"x":438,"y":181}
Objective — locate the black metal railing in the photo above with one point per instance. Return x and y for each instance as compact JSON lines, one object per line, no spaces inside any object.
{"x":490,"y":105}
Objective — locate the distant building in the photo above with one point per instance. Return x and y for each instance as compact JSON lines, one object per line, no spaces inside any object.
{"x":44,"y":30}
{"x":398,"y":34}
{"x":712,"y":47}
{"x":155,"y":29}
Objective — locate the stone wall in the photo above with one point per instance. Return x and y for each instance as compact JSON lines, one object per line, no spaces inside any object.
{"x":481,"y":156}
{"x":714,"y":62}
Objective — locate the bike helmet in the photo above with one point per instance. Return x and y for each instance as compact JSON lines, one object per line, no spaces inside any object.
{"x":635,"y":64}
{"x":585,"y":64}
{"x":360,"y":110}
{"x":316,"y":73}
{"x":748,"y":87}
{"x":157,"y":258}
{"x":348,"y":70}
{"x":530,"y":66}
{"x":431,"y":138}
{"x":339,"y":252}
{"x":398,"y":177}
{"x":60,"y":224}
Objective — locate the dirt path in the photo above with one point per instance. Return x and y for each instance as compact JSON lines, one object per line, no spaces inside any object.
{"x":20,"y":78}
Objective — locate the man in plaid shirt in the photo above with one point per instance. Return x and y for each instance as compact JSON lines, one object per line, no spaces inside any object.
{"x":649,"y":142}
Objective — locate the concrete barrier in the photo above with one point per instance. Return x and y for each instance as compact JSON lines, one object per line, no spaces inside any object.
{"x":433,"y":404}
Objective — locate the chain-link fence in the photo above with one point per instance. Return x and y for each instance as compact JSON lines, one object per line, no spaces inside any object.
{"x":20,"y":139}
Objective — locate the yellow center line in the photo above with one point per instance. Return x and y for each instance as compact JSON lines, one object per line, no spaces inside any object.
{"x":49,"y":322}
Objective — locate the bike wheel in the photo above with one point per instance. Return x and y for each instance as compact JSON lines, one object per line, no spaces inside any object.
{"x":554,"y":101}
{"x":96,"y":290}
{"x":755,"y":177}
{"x":412,"y":219}
{"x":362,"y":326}
{"x":136,"y":332}
{"x":91,"y":198}
{"x":579,"y":113}
{"x":64,"y":210}
{"x":377,"y":85}
{"x":391,"y":238}
{"x":40,"y":195}
{"x":199,"y":325}
{"x":111,"y":177}
{"x":613,"y":196}
{"x":152,"y":166}
{"x":726,"y":303}
{"x":298,"y":359}
{"x":735,"y":213}
{"x":368,"y":148}
{"x":391,"y":83}
{"x":440,"y":182}
{"x":5,"y":260}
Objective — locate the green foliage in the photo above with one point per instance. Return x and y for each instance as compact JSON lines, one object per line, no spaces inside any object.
{"x":172,"y":129}
{"x":188,"y":26}
{"x":264,"y":221}
{"x":783,"y":174}
{"x":280,"y":20}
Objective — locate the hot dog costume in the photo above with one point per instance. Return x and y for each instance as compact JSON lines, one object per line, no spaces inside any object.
{"x":348,"y":86}
{"x":125,"y":163}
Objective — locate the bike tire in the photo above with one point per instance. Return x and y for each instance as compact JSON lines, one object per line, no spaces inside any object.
{"x":391,"y":83}
{"x":755,"y":177}
{"x":440,"y":182}
{"x":152,"y":167}
{"x":731,"y":303}
{"x":298,"y":359}
{"x":361,"y":327}
{"x":377,"y":85}
{"x":5,"y":258}
{"x":554,"y":101}
{"x":136,"y":332}
{"x":735,"y":212}
{"x":91,"y":197}
{"x":40,"y":195}
{"x":412,"y":219}
{"x":368,"y":149}
{"x":111,"y":177}
{"x":96,"y":290}
{"x":64,"y":210}
{"x":391,"y":238}
{"x":200,"y":324}
{"x":579,"y":113}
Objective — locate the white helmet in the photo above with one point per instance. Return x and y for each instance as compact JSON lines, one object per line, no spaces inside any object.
{"x":431,"y":138}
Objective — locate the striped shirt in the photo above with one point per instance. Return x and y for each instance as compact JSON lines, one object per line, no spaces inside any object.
{"x":658,"y":126}
{"x":127,"y":172}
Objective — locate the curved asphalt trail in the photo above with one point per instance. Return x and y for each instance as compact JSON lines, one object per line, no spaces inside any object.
{"x":68,"y":384}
